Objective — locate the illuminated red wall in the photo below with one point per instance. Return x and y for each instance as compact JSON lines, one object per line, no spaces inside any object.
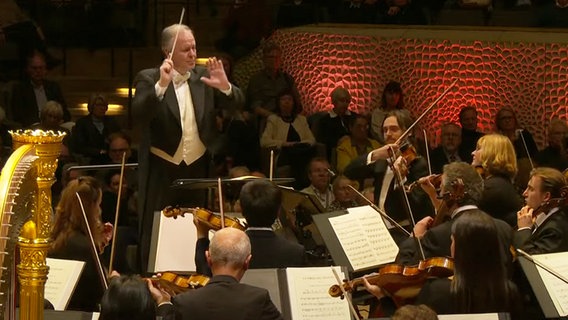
{"x":531,"y":77}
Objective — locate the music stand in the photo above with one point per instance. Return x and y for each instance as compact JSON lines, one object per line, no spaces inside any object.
{"x":212,"y":182}
{"x":540,"y":291}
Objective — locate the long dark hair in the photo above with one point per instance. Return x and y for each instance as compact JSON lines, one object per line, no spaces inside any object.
{"x":69,"y":216}
{"x":127,"y":297}
{"x":480,"y":278}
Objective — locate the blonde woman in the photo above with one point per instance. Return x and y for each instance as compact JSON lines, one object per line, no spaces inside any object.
{"x":495,"y":157}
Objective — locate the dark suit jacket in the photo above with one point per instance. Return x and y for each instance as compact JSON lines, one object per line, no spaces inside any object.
{"x":436,"y":243}
{"x":549,"y":237}
{"x":500,"y":199}
{"x":225,"y":298}
{"x":86,"y":139}
{"x":468,"y":144}
{"x":24,"y":104}
{"x":394,"y":204}
{"x":267,"y":248}
{"x":438,"y":159}
{"x":89,"y":290}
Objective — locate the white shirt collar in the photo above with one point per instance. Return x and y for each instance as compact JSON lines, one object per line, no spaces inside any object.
{"x":332,"y":113}
{"x":462,"y":209}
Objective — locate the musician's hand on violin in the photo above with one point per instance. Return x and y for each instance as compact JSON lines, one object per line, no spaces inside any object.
{"x":422,"y":226}
{"x":202,"y":228}
{"x":158,"y":293}
{"x":166,"y":73}
{"x":401,"y":166}
{"x":217,"y":76}
{"x":525,"y":217}
{"x":107,"y":233}
{"x":113,"y":274}
{"x":373,"y":289}
{"x":383,"y":152}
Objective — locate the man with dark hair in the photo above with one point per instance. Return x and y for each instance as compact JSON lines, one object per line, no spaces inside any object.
{"x":261,"y":201}
{"x":543,"y":223}
{"x":470,"y":135}
{"x":461,"y":189}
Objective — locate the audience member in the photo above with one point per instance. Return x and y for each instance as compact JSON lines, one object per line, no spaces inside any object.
{"x":406,"y":12}
{"x":344,"y":195}
{"x":89,"y":137}
{"x":448,"y":151}
{"x":392,"y":99}
{"x":555,"y":154}
{"x":288,"y":132}
{"x":335,"y":124}
{"x":357,"y":144}
{"x":469,"y":133}
{"x":51,"y":118}
{"x":31,"y":94}
{"x":355,"y":11}
{"x":229,"y":256}
{"x":71,"y":238}
{"x":127,"y":297}
{"x":265,"y":86}
{"x":319,"y":176}
{"x":293,"y":13}
{"x":495,"y":157}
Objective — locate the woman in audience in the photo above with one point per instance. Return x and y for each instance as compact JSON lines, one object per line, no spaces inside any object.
{"x":289,"y":133}
{"x":495,"y":158}
{"x":480,"y":283}
{"x":525,"y":147}
{"x":392,"y":99}
{"x":344,"y":195}
{"x":356,"y":144}
{"x":90,"y":133}
{"x":127,"y":297}
{"x":71,"y":239}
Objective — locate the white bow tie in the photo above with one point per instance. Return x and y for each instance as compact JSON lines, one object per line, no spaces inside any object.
{"x":181,"y":78}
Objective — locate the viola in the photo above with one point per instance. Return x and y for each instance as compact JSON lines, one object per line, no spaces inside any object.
{"x":450,"y":198}
{"x":480,"y":170}
{"x":552,"y":203}
{"x":399,"y":282}
{"x":435,"y":180}
{"x":177,"y":284}
{"x":209,"y":218}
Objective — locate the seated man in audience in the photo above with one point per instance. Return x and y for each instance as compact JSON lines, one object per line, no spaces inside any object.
{"x":434,"y":235}
{"x":344,"y":195}
{"x":31,"y":95}
{"x":469,"y":134}
{"x":555,"y":155}
{"x":335,"y":124}
{"x":543,"y":223}
{"x":223,"y":297}
{"x":319,"y":176}
{"x":260,"y":201}
{"x":448,"y":151}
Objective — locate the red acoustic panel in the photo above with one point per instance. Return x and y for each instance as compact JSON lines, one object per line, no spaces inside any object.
{"x":530,"y":77}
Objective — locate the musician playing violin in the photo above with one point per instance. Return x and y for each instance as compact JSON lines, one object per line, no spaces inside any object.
{"x":543,"y":222}
{"x":388,"y":195}
{"x":261,"y":201}
{"x":480,"y":283}
{"x":435,"y":240}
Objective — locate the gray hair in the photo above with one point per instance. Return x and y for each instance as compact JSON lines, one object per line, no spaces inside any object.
{"x":473,"y":183}
{"x":229,"y":247}
{"x":52,"y":108}
{"x":169,"y":33}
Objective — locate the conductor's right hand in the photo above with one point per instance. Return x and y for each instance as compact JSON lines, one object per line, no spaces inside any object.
{"x":166,"y":72}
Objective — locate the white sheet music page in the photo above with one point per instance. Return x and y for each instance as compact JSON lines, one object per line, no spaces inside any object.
{"x":309,"y":298}
{"x":557,"y":288}
{"x":378,"y":234}
{"x":354,"y":241}
{"x":61,"y":281}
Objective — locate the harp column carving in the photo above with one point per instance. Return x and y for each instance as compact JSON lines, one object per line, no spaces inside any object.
{"x":34,"y":240}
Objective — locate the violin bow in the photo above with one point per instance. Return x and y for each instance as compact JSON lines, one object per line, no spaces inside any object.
{"x":520,"y":131}
{"x":351,"y":307}
{"x":409,"y":129}
{"x":427,"y":148}
{"x":381,"y":212}
{"x":177,"y":32}
{"x":117,"y":212}
{"x":270,"y":174}
{"x":221,"y":207}
{"x":95,"y":252}
{"x":543,"y":266}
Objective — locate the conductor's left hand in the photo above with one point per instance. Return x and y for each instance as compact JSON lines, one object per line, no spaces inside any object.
{"x":217,"y":77}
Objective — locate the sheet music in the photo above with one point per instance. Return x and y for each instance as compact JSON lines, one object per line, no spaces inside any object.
{"x":557,"y":288}
{"x":375,"y":229}
{"x":354,"y":241}
{"x":309,"y":298}
{"x":61,"y":281}
{"x":170,"y":255}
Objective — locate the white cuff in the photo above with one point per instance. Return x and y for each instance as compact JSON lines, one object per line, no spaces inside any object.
{"x":228,"y":91}
{"x":160,"y":91}
{"x":369,"y":157}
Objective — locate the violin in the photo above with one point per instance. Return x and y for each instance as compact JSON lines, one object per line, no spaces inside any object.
{"x":177,"y":284}
{"x":209,"y":218}
{"x":435,"y":180}
{"x":449,"y":199}
{"x":552,"y":203}
{"x":399,"y":282}
{"x":480,"y":170}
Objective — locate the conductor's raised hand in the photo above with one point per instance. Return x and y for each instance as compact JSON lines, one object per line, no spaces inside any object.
{"x":166,"y":72}
{"x":217,"y":76}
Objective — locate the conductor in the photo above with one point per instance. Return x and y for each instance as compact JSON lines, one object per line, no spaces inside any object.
{"x":175,"y":105}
